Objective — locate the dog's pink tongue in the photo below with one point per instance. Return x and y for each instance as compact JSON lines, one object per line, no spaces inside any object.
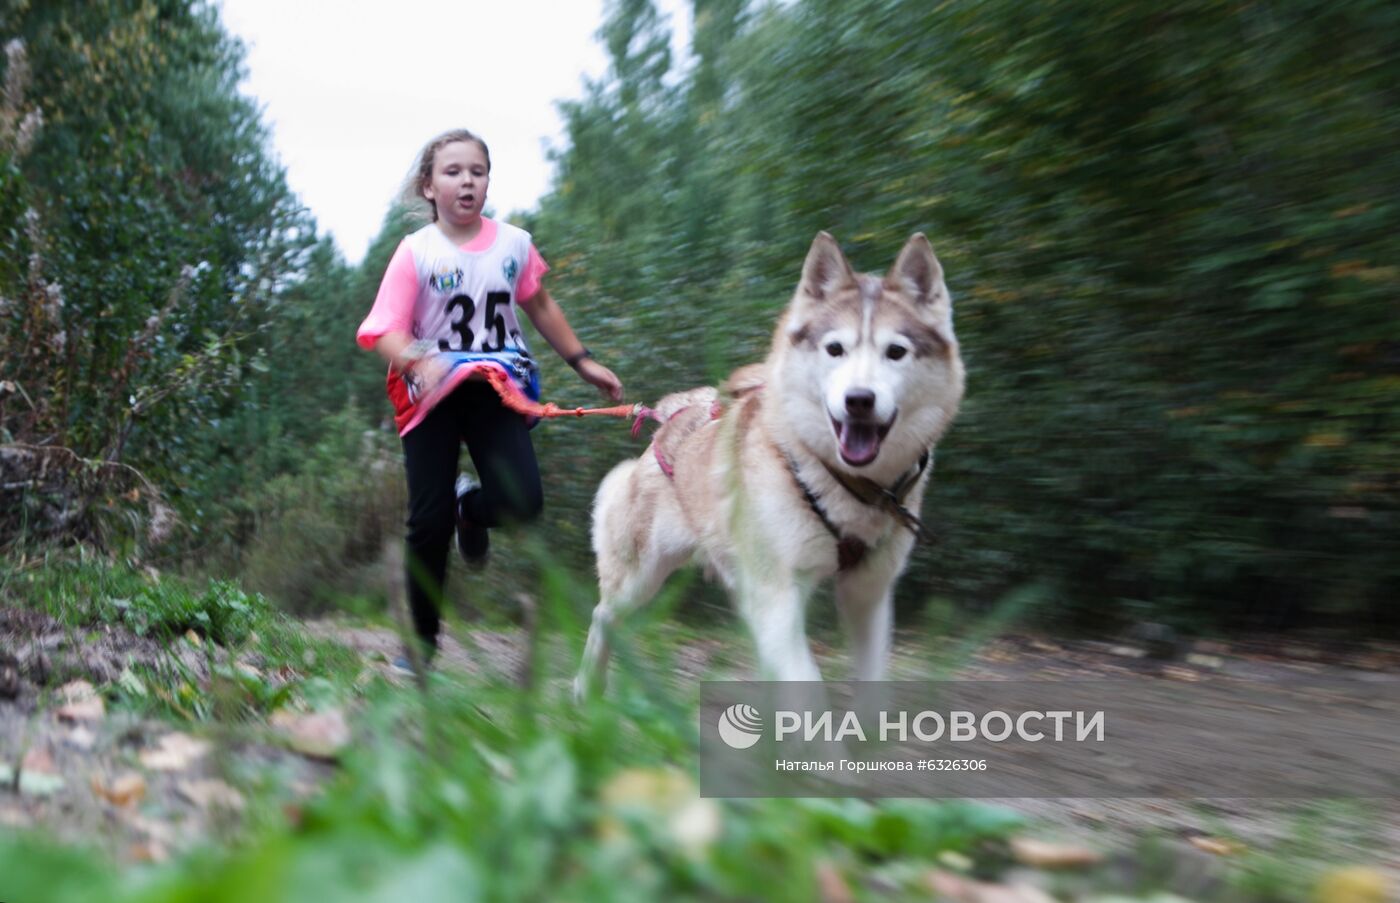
{"x":860,"y":442}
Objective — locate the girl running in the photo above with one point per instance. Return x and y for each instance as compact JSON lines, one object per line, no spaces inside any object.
{"x":446,"y":312}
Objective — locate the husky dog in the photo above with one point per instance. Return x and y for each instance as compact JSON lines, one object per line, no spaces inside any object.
{"x":807,"y":466}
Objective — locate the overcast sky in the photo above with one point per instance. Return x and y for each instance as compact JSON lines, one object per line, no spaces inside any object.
{"x":352,"y":89}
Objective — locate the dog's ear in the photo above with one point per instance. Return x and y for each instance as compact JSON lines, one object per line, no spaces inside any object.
{"x":917,"y":272}
{"x":826,"y":269}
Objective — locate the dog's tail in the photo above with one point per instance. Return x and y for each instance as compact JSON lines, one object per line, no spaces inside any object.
{"x":747,"y":379}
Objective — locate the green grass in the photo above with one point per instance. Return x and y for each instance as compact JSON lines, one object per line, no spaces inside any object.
{"x":476,"y":789}
{"x":79,"y":590}
{"x":466,"y":793}
{"x":205,"y":626}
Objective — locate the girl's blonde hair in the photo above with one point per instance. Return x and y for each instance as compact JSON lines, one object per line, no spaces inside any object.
{"x":411,"y":195}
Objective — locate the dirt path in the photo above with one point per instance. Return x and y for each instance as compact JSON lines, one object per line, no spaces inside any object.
{"x":135,"y":786}
{"x":1190,"y":830}
{"x":84,"y":762}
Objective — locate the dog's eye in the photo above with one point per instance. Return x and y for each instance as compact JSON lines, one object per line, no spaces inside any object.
{"x":895,"y":352}
{"x":834,"y":349}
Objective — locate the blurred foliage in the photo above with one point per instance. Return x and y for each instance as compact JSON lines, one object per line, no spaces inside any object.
{"x":148,"y":240}
{"x":80,"y":590}
{"x":316,"y":534}
{"x":478,"y":789}
{"x":1170,"y":232}
{"x":209,"y":633}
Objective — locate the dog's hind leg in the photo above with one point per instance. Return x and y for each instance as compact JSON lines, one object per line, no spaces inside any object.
{"x":619,"y":597}
{"x":639,"y":542}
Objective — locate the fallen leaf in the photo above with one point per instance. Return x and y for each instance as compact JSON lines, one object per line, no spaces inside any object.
{"x":1040,"y":854}
{"x":174,"y":752}
{"x":38,"y":775}
{"x":126,"y":790}
{"x":1352,"y":884}
{"x":38,"y":758}
{"x":691,"y":822}
{"x":81,"y":702}
{"x":81,"y":738}
{"x":320,"y":735}
{"x":154,"y":830}
{"x":147,"y":851}
{"x":958,"y":889}
{"x":211,"y":794}
{"x":39,"y":783}
{"x":831,"y":887}
{"x":1217,"y":845}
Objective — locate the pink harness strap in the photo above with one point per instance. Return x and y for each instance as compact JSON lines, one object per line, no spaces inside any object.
{"x":666,"y":467}
{"x":716,"y":409}
{"x":644,"y":413}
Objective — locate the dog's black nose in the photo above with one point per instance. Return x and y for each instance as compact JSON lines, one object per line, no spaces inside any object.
{"x":860,"y":402}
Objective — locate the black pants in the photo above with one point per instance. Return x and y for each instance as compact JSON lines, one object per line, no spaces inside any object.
{"x":499,"y":443}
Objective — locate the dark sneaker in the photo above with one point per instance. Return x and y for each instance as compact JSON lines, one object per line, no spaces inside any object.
{"x":473,"y":542}
{"x":402,"y":664}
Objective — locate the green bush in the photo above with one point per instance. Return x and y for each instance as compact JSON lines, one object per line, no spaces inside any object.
{"x":223,"y":613}
{"x":318,"y":531}
{"x":80,"y":589}
{"x":1169,"y":234}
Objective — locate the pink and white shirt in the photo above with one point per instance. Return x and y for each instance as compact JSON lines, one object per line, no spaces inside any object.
{"x":462,"y":296}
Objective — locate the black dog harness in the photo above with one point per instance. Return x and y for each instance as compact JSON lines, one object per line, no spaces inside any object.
{"x":850,"y":550}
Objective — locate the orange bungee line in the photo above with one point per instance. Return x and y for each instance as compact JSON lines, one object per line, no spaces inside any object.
{"x":514,"y":399}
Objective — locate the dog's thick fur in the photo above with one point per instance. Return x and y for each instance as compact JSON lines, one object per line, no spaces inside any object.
{"x":862,"y":379}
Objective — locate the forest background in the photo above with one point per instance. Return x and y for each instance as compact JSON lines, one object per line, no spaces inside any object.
{"x":1170,"y":234}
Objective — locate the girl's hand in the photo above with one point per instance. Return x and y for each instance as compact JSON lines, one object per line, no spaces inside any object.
{"x":429,"y":372}
{"x":604,"y":379}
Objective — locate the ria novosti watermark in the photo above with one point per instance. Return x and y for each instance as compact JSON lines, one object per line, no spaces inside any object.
{"x":1091,"y":738}
{"x":741,"y":726}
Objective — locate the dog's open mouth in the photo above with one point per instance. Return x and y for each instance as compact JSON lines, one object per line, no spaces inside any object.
{"x":860,"y":439}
